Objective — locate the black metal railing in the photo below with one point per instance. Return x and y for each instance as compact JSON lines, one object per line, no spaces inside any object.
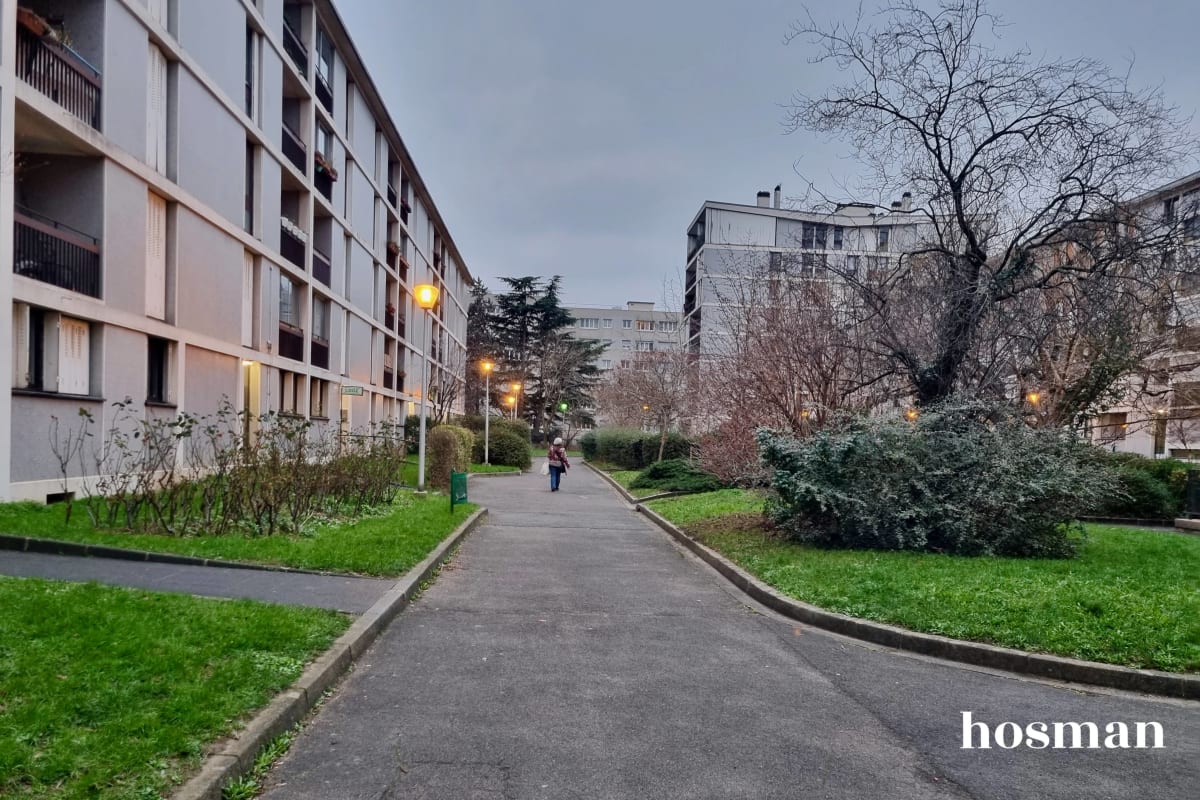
{"x":324,"y":184}
{"x":322,"y":270}
{"x":290,"y":247}
{"x":291,"y":342}
{"x":293,"y":147}
{"x":53,"y":253}
{"x":392,"y":197}
{"x":59,"y":73}
{"x":319,"y":355}
{"x":324,"y":93}
{"x":295,"y":48}
{"x":389,"y":320}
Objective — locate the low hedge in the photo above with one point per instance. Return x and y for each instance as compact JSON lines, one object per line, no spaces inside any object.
{"x":506,"y":449}
{"x":1147,"y":488}
{"x":629,"y":448}
{"x":676,"y":475}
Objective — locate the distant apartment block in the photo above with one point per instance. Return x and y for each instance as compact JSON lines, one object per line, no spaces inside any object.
{"x":208,"y":199}
{"x":627,"y":332}
{"x":727,"y":243}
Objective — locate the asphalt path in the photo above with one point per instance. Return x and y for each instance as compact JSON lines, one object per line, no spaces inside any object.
{"x":351,"y":595}
{"x":571,"y":650}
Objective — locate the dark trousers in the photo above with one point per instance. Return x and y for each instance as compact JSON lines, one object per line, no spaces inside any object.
{"x":555,"y":474}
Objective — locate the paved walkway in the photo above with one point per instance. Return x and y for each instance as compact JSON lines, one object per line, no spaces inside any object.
{"x":351,"y":595}
{"x":572,"y":651}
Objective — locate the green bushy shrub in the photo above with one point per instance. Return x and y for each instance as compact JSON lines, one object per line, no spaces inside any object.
{"x":964,"y":478}
{"x":1147,"y":488}
{"x":676,"y":475}
{"x":441,"y":452}
{"x":587,"y":443}
{"x":507,"y":449}
{"x":630,"y":448}
{"x":462,"y":452}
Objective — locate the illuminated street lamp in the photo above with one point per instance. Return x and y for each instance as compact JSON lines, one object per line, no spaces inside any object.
{"x":487,"y":367}
{"x":512,"y":405}
{"x":516,"y":390}
{"x":912,"y":414}
{"x":426,"y":296}
{"x":1034,"y":398}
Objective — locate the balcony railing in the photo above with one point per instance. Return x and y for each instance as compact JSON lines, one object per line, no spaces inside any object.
{"x":291,"y":342}
{"x":293,"y":147}
{"x":324,"y":184}
{"x":322,"y":270}
{"x":59,"y":73}
{"x":389,"y":320}
{"x":291,"y":247}
{"x":392,"y":197}
{"x":389,"y":379}
{"x":295,"y":48}
{"x":52,"y":253}
{"x":319,"y":355}
{"x":324,"y":93}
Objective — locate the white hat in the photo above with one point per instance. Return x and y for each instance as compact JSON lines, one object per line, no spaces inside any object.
{"x":558,"y":440}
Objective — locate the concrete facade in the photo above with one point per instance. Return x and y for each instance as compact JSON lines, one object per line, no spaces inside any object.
{"x":627,"y":332}
{"x":728,"y":242}
{"x":204,"y":201}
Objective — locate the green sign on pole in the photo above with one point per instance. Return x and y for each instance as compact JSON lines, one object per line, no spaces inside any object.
{"x":458,"y":488}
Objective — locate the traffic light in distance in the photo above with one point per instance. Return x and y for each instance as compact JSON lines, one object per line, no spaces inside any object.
{"x":563,"y":406}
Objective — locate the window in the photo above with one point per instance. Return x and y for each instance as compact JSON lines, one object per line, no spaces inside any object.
{"x":607,"y":323}
{"x":324,"y":57}
{"x":324,"y":141}
{"x":1112,"y":426}
{"x":158,"y":354}
{"x":813,"y":235}
{"x":291,"y":388}
{"x":588,"y":322}
{"x":775,"y":261}
{"x":252,"y":50}
{"x":318,"y":398}
{"x":626,"y":344}
{"x":51,"y":352}
{"x":645,"y":347}
{"x":852,"y":266}
{"x":1169,"y":210}
{"x":289,"y":302}
{"x":645,"y":324}
{"x":248,"y":305}
{"x":884,"y":239}
{"x":156,"y":110}
{"x":606,"y":363}
{"x":156,"y":256}
{"x":320,"y":321}
{"x":837,"y":237}
{"x":248,"y":222}
{"x":667,"y":326}
{"x":627,"y":324}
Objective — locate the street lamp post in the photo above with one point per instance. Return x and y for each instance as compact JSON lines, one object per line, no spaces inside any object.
{"x":426,"y":296}
{"x":516,"y":390}
{"x":487,"y":407}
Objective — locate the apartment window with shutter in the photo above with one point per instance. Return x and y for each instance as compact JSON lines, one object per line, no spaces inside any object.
{"x":51,"y":352}
{"x":156,"y":110}
{"x":252,"y":50}
{"x":320,"y":322}
{"x":319,"y":393}
{"x":289,"y":302}
{"x":248,"y":222}
{"x":156,"y":256}
{"x":248,"y":305}
{"x":608,"y":323}
{"x":884,"y":239}
{"x":627,"y":324}
{"x":837,"y":237}
{"x":291,"y":391}
{"x":158,"y":354}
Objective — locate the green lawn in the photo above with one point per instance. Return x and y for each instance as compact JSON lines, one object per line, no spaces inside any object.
{"x":390,"y":543}
{"x":1130,"y":597}
{"x":492,"y":468}
{"x":112,"y":694}
{"x":626,"y":477}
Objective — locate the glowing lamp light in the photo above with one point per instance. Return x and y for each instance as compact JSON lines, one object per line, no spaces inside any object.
{"x":1033,"y":398}
{"x":912,"y":414}
{"x":426,"y":295}
{"x":487,"y":366}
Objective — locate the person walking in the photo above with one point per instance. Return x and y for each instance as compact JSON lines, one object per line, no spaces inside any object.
{"x":557,"y":456}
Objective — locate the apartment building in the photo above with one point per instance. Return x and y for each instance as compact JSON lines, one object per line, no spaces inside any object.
{"x":627,"y":332}
{"x":207,"y":200}
{"x":727,"y":243}
{"x":1160,"y":412}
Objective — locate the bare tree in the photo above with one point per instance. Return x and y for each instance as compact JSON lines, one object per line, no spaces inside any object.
{"x":446,"y":384}
{"x":657,"y":389}
{"x":1016,"y":161}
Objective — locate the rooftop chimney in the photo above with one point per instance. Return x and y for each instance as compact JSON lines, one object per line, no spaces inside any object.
{"x":906,"y":201}
{"x":778,"y":189}
{"x":896,"y":205}
{"x":764,"y":199}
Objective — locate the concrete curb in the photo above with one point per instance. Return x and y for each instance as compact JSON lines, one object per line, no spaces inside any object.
{"x":507,"y":474}
{"x":31,"y":544}
{"x":1067,"y":669}
{"x":234,"y":756}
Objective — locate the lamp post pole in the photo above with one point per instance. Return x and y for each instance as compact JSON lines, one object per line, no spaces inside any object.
{"x":426,"y":297}
{"x":487,"y":408}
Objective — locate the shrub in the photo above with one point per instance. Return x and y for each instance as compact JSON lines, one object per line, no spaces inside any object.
{"x":441,"y":451}
{"x":676,"y":475}
{"x":730,"y":452}
{"x":510,"y":450}
{"x":412,"y":431}
{"x":465,"y":444}
{"x":634,"y":449}
{"x":587,"y":443}
{"x":965,"y":478}
{"x":1147,"y":488}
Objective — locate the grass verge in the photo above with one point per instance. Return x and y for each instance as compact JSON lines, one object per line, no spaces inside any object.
{"x":492,"y":468}
{"x":626,"y":477}
{"x":113,"y":693}
{"x":1131,"y":597}
{"x":389,"y":543}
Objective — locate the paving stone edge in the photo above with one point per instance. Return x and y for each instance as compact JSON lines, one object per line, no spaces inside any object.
{"x":234,"y":756}
{"x":1111,"y":676}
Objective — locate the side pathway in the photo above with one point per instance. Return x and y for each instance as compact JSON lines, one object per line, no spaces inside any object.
{"x":574,"y":651}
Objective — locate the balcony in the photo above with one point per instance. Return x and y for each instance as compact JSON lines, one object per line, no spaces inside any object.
{"x":295,"y":48}
{"x":322,"y":269}
{"x":291,"y":342}
{"x":319,"y":355}
{"x":392,"y":197}
{"x":291,"y":243}
{"x":324,"y":183}
{"x":293,"y":147}
{"x":389,"y":379}
{"x":53,"y":253}
{"x":60,"y":73}
{"x":324,"y":93}
{"x":389,"y":318}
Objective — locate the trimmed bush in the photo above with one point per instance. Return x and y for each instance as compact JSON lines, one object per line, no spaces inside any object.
{"x":1147,"y":488}
{"x":587,"y":443}
{"x":676,"y":475}
{"x":965,"y":478}
{"x":466,"y":442}
{"x":441,"y":451}
{"x":507,"y":449}
{"x":630,"y":448}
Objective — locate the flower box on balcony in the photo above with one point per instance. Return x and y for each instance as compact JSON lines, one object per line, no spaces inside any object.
{"x":393,"y":249}
{"x":30,"y":20}
{"x":323,"y":165}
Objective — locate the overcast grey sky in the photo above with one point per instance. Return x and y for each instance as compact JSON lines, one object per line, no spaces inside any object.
{"x":580,"y":139}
